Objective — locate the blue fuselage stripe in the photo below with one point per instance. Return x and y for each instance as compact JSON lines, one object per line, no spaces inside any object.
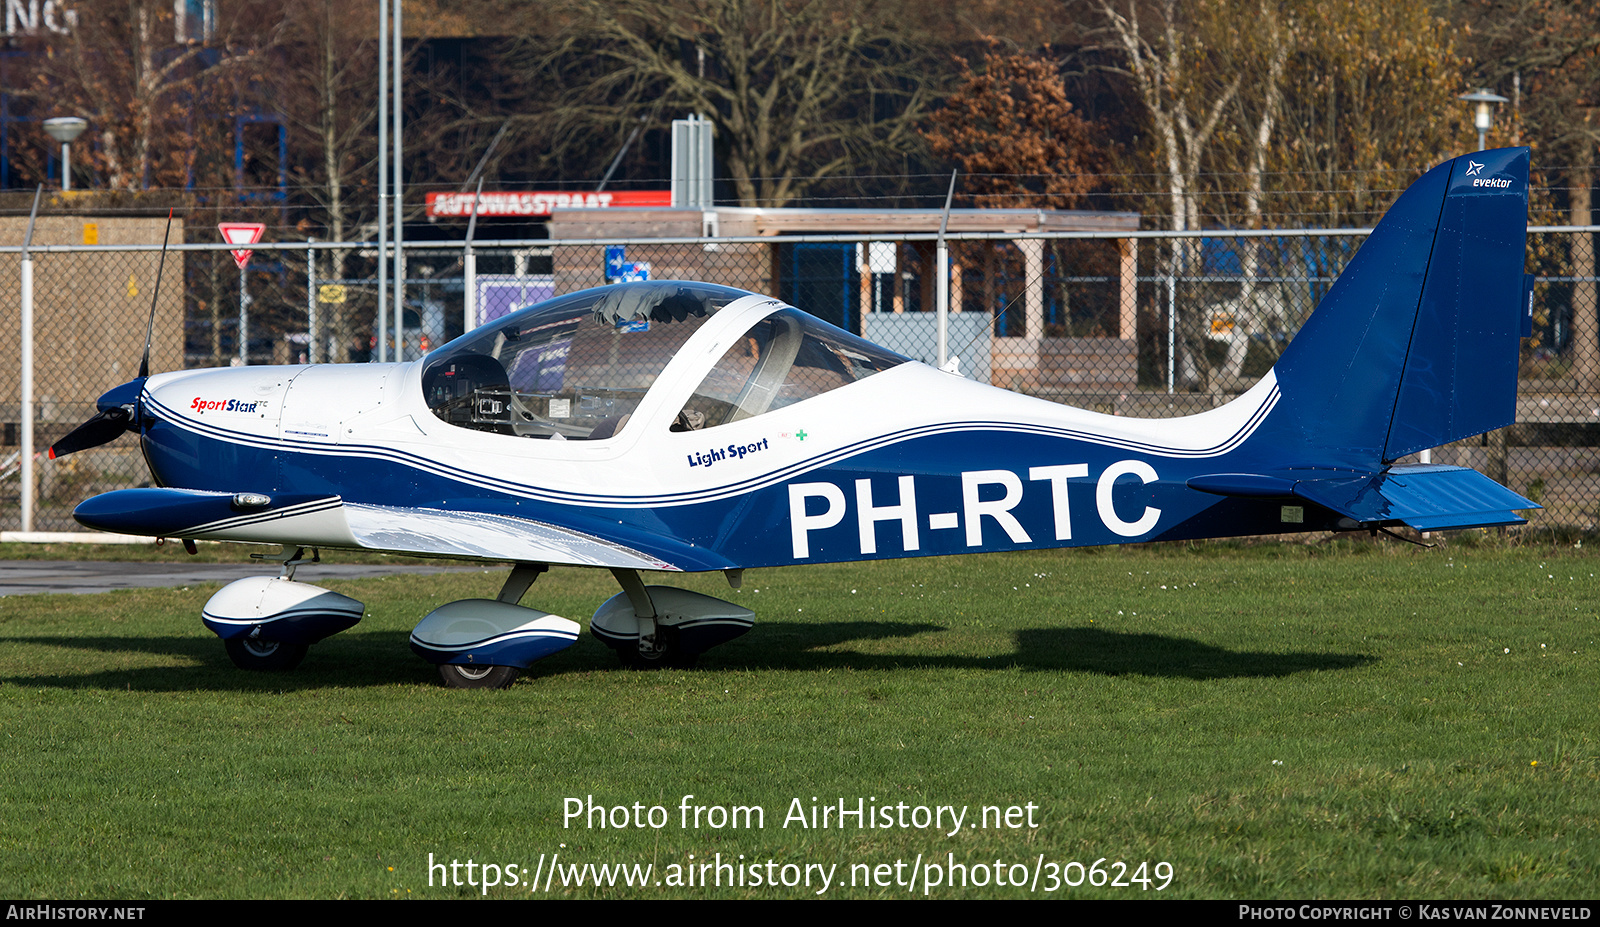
{"x":992,"y":489}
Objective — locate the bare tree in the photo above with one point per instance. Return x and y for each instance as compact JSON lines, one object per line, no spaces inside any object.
{"x":327,"y":90}
{"x":1370,"y":104}
{"x":1274,"y":38}
{"x":1185,"y":90}
{"x":1548,"y":52}
{"x":1303,"y":102}
{"x":799,"y":90}
{"x":1274,"y":111}
{"x":144,"y":88}
{"x":1180,"y":71}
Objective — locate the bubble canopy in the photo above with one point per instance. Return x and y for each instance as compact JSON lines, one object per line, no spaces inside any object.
{"x":577,"y":366}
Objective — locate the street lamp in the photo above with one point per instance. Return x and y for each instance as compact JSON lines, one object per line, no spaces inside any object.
{"x":66,"y":129}
{"x":1483,"y":100}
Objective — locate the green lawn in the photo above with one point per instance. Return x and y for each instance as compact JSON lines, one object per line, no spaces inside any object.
{"x":1269,"y":721}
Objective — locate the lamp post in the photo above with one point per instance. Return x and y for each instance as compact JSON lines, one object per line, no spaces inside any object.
{"x":66,"y":129}
{"x":1483,"y":101}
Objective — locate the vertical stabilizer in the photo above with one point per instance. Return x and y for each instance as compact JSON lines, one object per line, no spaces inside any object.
{"x":1460,"y":376}
{"x":1416,"y":343}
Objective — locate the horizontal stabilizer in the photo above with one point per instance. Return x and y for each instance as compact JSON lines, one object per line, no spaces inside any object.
{"x":1426,"y":497}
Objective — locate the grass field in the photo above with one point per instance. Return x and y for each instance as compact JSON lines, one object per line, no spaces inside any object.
{"x":1337,"y":720}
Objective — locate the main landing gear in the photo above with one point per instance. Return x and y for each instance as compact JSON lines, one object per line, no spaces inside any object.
{"x":486,"y":643}
{"x":651,"y":627}
{"x":269,"y":623}
{"x":482,"y":644}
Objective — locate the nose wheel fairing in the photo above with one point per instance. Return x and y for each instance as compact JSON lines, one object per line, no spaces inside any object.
{"x":277,"y":609}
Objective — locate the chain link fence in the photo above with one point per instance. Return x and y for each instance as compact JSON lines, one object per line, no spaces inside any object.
{"x":1140,"y":324}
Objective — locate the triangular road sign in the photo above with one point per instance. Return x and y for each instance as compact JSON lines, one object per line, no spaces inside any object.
{"x":241,"y":233}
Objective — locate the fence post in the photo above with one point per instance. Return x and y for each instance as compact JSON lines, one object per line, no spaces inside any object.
{"x":469,"y":258}
{"x":1032,"y":286}
{"x":29,"y":487}
{"x":1495,"y":465}
{"x":1128,"y":289}
{"x":27,"y":392}
{"x":312,"y":339}
{"x":1585,"y":340}
{"x":469,"y":304}
{"x":244,"y":319}
{"x":383,"y":181}
{"x":1172,"y":330}
{"x":397,"y":84}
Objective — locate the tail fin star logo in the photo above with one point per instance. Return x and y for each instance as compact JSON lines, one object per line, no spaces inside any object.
{"x":1475,"y":171}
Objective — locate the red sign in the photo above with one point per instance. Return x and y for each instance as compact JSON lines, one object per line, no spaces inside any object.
{"x":241,"y":233}
{"x":540,"y":202}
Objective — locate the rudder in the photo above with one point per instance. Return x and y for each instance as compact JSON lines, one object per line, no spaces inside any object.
{"x":1460,"y":376}
{"x":1416,"y":344}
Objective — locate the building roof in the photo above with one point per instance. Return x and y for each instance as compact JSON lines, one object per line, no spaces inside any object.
{"x":739,"y":221}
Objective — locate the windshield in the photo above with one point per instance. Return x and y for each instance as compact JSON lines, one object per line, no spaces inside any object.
{"x":571,"y":368}
{"x":787,"y":357}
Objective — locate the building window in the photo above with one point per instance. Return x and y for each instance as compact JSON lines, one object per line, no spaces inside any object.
{"x":194,"y":20}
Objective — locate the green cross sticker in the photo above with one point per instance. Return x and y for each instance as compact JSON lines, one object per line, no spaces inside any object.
{"x":801,"y":434}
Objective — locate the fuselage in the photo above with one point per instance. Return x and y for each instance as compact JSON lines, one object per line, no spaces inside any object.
{"x":909,"y":462}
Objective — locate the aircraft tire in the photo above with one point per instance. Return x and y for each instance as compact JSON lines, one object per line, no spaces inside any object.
{"x":457,"y":676}
{"x":264,"y":656}
{"x":669,"y":658}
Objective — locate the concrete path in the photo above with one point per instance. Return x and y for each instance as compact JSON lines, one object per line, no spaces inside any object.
{"x":20,"y":577}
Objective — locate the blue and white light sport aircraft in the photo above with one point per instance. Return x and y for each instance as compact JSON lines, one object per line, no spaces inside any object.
{"x":674,"y":426}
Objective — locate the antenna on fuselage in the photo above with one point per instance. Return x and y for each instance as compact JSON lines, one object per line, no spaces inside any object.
{"x":150,"y":326}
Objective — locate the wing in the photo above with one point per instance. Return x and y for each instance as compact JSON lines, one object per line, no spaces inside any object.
{"x":329,"y":521}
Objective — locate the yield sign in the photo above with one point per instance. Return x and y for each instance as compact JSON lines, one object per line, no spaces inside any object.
{"x":241,"y":233}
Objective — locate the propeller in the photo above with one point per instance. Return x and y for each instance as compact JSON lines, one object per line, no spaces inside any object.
{"x":119,"y":408}
{"x":102,"y":428}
